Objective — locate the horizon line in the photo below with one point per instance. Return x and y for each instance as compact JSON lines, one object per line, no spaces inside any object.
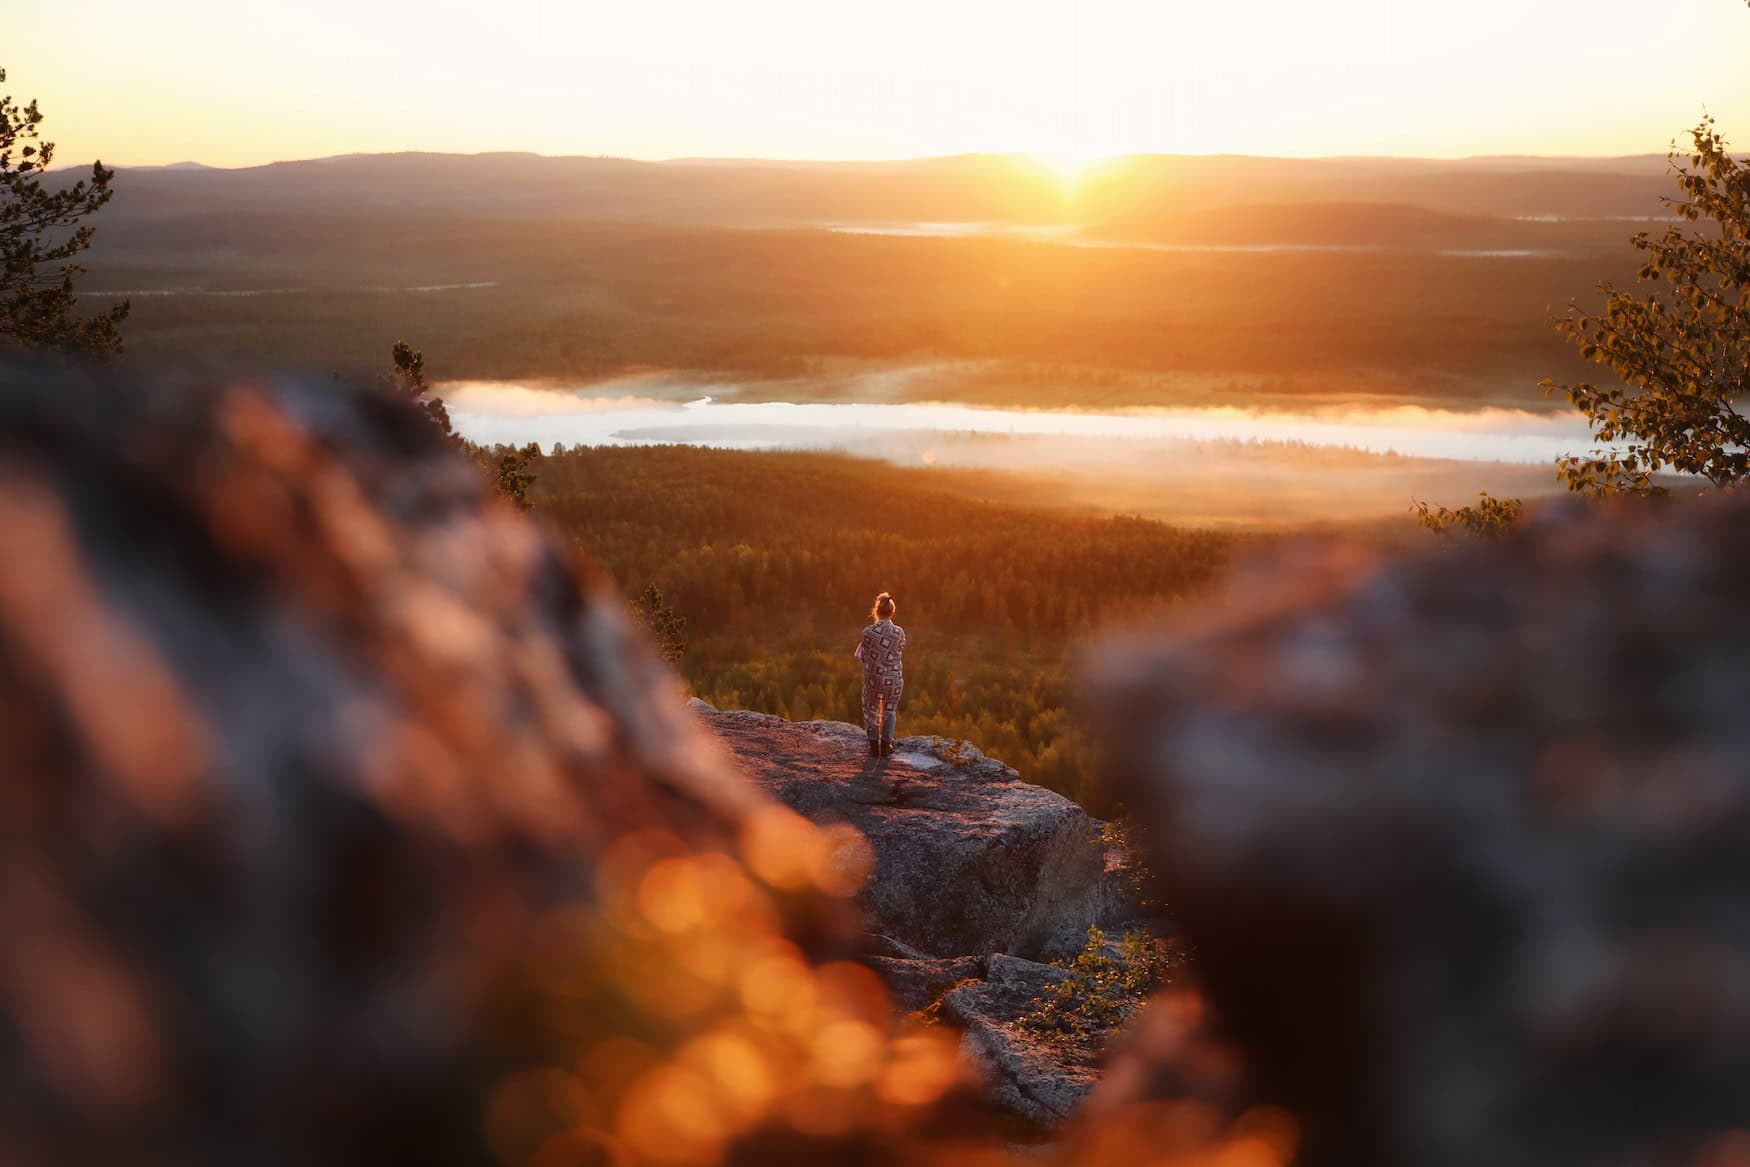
{"x":1043,"y":157}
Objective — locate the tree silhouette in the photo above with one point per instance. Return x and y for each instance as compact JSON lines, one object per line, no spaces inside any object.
{"x":407,"y":376}
{"x":1683,"y":356}
{"x":515,"y":473}
{"x":40,"y":229}
{"x":511,"y":471}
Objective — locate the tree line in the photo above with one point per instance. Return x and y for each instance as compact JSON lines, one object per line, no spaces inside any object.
{"x":779,"y":546}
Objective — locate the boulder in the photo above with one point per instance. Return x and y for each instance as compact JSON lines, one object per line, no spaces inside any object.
{"x":969,"y":859}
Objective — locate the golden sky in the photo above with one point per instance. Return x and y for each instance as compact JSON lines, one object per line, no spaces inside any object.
{"x":237,"y":82}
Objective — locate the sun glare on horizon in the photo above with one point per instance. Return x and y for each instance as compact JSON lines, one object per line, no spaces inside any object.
{"x":778,"y":79}
{"x":1070,"y":167}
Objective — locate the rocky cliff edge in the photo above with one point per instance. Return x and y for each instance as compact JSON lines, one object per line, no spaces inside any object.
{"x":978,"y":879}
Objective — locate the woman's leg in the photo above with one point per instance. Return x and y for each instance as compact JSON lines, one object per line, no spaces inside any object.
{"x":872,"y":714}
{"x":889,"y":716}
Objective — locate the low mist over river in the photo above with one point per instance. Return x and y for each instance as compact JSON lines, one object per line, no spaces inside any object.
{"x":1211,"y":464}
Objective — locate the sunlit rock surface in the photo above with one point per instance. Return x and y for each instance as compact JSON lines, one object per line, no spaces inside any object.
{"x":1460,"y":842}
{"x":345,"y":821}
{"x":968,"y":859}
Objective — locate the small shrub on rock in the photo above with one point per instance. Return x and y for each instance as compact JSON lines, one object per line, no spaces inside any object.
{"x":1147,"y":960}
{"x":1138,"y":881}
{"x":1102,"y":989}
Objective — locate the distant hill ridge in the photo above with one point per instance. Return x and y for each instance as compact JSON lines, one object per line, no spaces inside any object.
{"x":1511,"y":161}
{"x":976,"y":187}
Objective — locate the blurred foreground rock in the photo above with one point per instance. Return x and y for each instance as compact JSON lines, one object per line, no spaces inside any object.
{"x":1462,"y":844}
{"x":346,"y":821}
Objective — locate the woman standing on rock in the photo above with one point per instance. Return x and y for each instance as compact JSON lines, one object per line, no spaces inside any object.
{"x":883,"y":675}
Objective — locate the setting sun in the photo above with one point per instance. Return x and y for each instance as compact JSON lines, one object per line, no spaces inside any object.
{"x":1070,"y":167}
{"x":229,"y":84}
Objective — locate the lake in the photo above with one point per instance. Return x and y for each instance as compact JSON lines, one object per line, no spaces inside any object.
{"x":640,"y":411}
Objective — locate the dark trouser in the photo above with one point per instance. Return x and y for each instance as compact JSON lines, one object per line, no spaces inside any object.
{"x":880,"y":709}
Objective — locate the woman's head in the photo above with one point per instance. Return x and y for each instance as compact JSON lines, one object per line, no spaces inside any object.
{"x":883,"y":609}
